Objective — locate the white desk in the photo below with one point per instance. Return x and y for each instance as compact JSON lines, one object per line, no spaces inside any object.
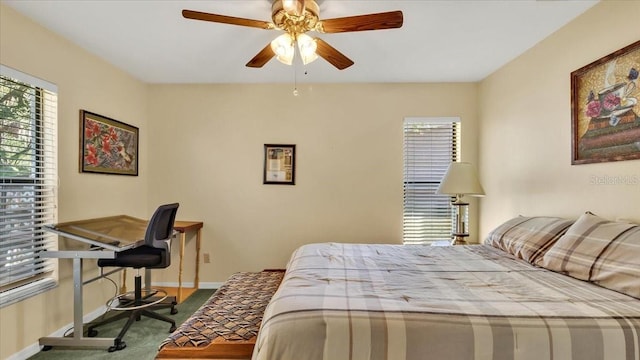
{"x":106,"y":236}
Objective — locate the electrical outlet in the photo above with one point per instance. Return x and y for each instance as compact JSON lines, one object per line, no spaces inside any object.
{"x":207,"y":258}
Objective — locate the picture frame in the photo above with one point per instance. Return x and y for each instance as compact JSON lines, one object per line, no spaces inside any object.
{"x":107,"y":146}
{"x":605,"y":122}
{"x":279,"y":167}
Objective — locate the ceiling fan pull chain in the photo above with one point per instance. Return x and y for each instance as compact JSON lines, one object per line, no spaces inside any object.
{"x":295,"y":79}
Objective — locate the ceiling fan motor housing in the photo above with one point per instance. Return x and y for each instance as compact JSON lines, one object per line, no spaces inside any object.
{"x":295,"y":23}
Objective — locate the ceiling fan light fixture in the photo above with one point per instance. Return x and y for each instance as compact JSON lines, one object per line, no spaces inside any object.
{"x":307,"y":47}
{"x":293,"y":7}
{"x":297,"y":17}
{"x":283,"y":47}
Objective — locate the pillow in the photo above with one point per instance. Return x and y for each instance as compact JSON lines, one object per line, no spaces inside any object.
{"x":603,"y":252}
{"x":528,"y":238}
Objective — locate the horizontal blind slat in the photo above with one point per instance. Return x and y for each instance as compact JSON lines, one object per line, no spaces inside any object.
{"x":28,"y":180}
{"x":429,"y":147}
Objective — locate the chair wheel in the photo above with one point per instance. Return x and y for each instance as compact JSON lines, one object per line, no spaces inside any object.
{"x":119,"y":346}
{"x":172,"y":328}
{"x":47,"y":348}
{"x":92,"y":333}
{"x":174,"y":311}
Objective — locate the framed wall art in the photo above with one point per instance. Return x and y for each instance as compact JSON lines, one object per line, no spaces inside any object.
{"x":605,"y":122}
{"x":107,"y":146}
{"x":279,"y":164}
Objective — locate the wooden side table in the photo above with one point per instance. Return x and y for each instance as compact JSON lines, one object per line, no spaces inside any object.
{"x":183,"y":227}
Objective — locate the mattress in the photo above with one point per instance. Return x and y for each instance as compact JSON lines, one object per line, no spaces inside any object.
{"x":348,"y":301}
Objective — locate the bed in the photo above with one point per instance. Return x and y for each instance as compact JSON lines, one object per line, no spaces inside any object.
{"x":539,"y":288}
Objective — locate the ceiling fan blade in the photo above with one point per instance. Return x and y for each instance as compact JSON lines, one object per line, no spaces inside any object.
{"x":197,"y":15}
{"x":333,"y":56}
{"x":378,"y":21}
{"x":262,"y":57}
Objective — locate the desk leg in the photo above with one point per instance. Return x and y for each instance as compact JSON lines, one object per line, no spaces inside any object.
{"x":123,"y":284}
{"x":78,"y":327}
{"x":196,"y":282}
{"x":183,"y":239}
{"x":77,"y":298}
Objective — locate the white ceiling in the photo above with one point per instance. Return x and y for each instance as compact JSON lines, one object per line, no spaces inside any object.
{"x":440,"y":41}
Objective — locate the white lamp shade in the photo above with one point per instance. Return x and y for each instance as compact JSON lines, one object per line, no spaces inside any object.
{"x":307,"y":47}
{"x":282,"y":46}
{"x":460,"y":179}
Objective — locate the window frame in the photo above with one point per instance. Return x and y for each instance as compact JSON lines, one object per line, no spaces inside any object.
{"x":421,"y":205}
{"x":41,"y":180}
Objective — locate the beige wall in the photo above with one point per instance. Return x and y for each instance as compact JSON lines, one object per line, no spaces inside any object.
{"x":525,"y":132}
{"x":202,"y":145}
{"x":207,"y":143}
{"x":84,"y":82}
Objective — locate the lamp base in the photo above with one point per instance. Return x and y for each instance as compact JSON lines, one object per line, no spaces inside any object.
{"x":461,"y":214}
{"x":459,"y":240}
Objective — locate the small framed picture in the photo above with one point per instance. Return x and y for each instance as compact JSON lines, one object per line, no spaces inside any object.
{"x":279,"y":164}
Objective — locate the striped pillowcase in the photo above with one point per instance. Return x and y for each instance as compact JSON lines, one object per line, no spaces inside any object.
{"x":528,"y":238}
{"x":604,"y":252}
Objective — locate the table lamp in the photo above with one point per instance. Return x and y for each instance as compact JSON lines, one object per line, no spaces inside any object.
{"x":460,"y":180}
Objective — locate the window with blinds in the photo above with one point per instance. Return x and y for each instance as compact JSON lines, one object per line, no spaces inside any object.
{"x":430,"y":145}
{"x":28,"y":179}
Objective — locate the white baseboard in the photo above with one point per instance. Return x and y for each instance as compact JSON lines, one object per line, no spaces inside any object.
{"x":35,"y":347}
{"x":201,"y":285}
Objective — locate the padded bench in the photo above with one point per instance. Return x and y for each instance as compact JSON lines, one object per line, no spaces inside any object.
{"x":226,"y":325}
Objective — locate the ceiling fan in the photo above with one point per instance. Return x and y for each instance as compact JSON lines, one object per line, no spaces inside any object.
{"x":296,"y":18}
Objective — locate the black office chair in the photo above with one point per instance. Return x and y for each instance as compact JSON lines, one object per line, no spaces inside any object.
{"x":154,"y":254}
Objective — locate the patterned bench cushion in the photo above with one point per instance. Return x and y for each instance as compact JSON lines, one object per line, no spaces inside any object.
{"x":231,"y":316}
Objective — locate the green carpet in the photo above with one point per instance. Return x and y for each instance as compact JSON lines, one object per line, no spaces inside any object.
{"x":142,"y":339}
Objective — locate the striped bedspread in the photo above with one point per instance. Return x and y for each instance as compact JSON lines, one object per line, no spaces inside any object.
{"x":348,"y":301}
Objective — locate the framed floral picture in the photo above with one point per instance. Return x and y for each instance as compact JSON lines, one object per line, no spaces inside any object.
{"x":107,"y":146}
{"x":604,"y":108}
{"x":279,"y":164}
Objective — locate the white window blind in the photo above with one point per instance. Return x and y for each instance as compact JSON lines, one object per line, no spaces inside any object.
{"x":430,"y":145}
{"x":28,"y":179}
